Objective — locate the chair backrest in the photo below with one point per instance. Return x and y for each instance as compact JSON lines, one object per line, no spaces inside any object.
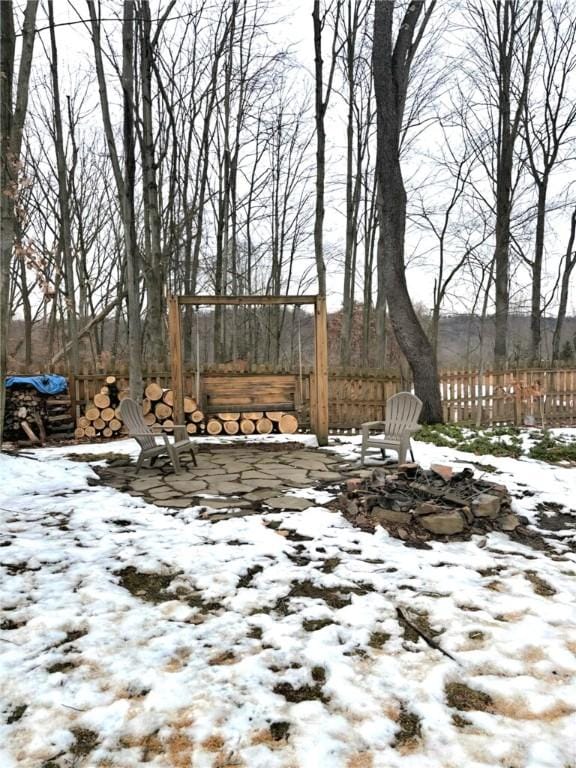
{"x":131,"y":415}
{"x":402,"y":412}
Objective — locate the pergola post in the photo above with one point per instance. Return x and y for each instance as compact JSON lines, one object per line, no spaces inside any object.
{"x":321,"y":352}
{"x":175,"y":336}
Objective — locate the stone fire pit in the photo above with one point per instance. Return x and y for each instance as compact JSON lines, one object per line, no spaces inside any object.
{"x":416,"y":504}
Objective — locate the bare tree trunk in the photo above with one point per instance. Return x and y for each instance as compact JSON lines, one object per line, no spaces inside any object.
{"x":569,"y":264}
{"x":391,"y":67}
{"x":64,"y":201}
{"x":11,"y":130}
{"x":132,"y":268}
{"x":322,"y":99}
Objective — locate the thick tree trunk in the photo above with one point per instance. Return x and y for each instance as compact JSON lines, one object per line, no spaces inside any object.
{"x":11,"y":129}
{"x":391,"y":65}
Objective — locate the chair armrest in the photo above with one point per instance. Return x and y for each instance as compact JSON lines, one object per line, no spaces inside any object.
{"x":373,"y":424}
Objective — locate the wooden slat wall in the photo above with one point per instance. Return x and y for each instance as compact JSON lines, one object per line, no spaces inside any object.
{"x":506,"y":397}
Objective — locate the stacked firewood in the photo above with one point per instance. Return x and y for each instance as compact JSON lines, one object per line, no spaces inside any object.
{"x":102,"y":418}
{"x":32,"y":415}
{"x":158,"y":409}
{"x":248,"y":423}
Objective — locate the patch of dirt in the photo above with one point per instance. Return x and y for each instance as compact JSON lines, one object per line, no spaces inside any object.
{"x":213,"y":743}
{"x":10,"y":624}
{"x":549,"y":506}
{"x":410,"y":729}
{"x":226,"y":657}
{"x":363,"y":760}
{"x":303,"y":693}
{"x":111,"y":458}
{"x":60,"y":666}
{"x":279,"y":730}
{"x":299,"y":560}
{"x":518,"y":709}
{"x":540,"y":586}
{"x":330,"y":564}
{"x":335,"y":597}
{"x":560,"y":521}
{"x":312,"y":625}
{"x":318,"y":675}
{"x":85,"y":741}
{"x":246,"y":579}
{"x":151,"y":587}
{"x":16,"y":714}
{"x":460,"y":696}
{"x":378,"y":639}
{"x":255,"y":633}
{"x":491,"y":571}
{"x":460,"y":722}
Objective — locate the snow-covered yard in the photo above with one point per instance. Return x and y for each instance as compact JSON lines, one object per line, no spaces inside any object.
{"x":136,"y":635}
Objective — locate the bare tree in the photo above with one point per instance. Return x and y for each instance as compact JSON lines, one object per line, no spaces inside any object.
{"x":12,"y":116}
{"x":502,"y":54}
{"x":549,"y":115}
{"x":391,"y":62}
{"x":322,"y":99}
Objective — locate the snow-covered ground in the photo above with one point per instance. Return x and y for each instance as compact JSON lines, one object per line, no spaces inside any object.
{"x":197,"y":668}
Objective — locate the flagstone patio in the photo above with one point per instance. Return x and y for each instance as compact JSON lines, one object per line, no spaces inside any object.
{"x":237,"y":478}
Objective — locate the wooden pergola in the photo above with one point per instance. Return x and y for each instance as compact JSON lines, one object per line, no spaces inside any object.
{"x":319,"y":388}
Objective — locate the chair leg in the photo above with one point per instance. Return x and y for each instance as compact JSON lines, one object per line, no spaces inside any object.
{"x":364,"y":446}
{"x":139,"y":463}
{"x":175,"y":461}
{"x":193,"y":456}
{"x":412,"y":454}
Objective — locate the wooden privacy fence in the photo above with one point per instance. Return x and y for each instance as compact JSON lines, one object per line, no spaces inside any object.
{"x":527,"y":396}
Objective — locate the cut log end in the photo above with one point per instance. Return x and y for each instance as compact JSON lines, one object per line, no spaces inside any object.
{"x":263,"y":426}
{"x":153,"y":391}
{"x":288,"y":424}
{"x":214,"y":427}
{"x":247,"y":427}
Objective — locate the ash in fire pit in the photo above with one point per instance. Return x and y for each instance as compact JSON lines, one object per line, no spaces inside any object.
{"x":416,"y":504}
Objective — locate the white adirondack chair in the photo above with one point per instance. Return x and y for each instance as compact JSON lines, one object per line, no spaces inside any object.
{"x":131,"y":415}
{"x":402,"y":412}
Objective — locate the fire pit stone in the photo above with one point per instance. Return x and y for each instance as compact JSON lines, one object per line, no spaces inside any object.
{"x":415,"y":504}
{"x":444,"y":523}
{"x":486,"y":505}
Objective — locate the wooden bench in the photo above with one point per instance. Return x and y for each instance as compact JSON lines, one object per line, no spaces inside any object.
{"x":243,"y":393}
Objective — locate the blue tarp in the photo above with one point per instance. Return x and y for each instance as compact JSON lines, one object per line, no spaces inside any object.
{"x":48,"y":384}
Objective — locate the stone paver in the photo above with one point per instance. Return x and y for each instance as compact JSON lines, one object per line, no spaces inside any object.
{"x":309,"y":464}
{"x":181,"y":503}
{"x":268,"y":482}
{"x":288,"y":502}
{"x":325,"y":475}
{"x":187,"y":486}
{"x":237,"y":466}
{"x":221,"y":504}
{"x":258,"y":495}
{"x":223,"y":487}
{"x":161,"y":493}
{"x":236,"y":478}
